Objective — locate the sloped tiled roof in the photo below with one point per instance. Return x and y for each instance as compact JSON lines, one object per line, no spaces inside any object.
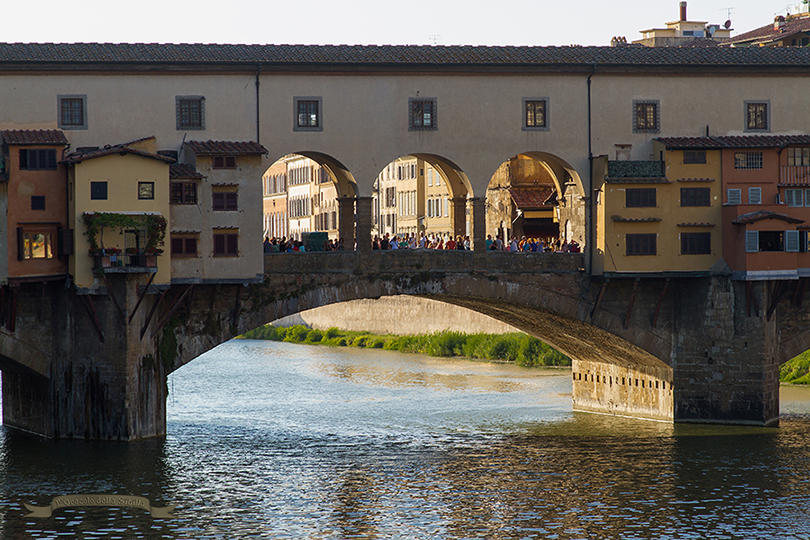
{"x":109,"y":150}
{"x":734,"y":141}
{"x":226,"y":148}
{"x":34,"y":136}
{"x":183,"y":170}
{"x":526,"y":198}
{"x":759,"y":215}
{"x":767,"y":33}
{"x":133,"y":55}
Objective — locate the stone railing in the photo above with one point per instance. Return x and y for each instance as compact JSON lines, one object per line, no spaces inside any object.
{"x":411,"y":261}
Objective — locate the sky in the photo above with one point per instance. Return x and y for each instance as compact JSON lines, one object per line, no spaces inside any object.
{"x":368,"y":22}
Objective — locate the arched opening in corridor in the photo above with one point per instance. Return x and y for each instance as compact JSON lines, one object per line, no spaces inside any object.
{"x":420,"y":194}
{"x":535,"y":195}
{"x":305,"y":193}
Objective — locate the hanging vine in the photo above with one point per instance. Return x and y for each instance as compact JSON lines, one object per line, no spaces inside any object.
{"x":97,"y":222}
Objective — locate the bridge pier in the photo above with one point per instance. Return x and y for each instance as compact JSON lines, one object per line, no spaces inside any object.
{"x":720,"y":364}
{"x":103,"y":381}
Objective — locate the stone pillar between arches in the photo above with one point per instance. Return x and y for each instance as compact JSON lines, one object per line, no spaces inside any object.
{"x":364,"y":218}
{"x":478,"y":235}
{"x":346,"y":221}
{"x":458,"y":216}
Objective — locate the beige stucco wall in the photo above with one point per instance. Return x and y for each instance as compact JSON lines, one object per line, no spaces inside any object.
{"x":122,"y":174}
{"x":399,"y":315}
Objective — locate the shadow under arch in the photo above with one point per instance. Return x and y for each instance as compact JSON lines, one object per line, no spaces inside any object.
{"x":457,"y":182}
{"x":559,"y":170}
{"x":341,"y":176}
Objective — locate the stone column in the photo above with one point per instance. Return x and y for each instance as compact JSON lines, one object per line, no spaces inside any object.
{"x":346,"y":221}
{"x":479,"y":224}
{"x":458,"y":216}
{"x":364,"y":218}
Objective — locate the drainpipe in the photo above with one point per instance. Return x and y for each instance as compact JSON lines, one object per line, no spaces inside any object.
{"x":258,"y":130}
{"x":589,"y":258}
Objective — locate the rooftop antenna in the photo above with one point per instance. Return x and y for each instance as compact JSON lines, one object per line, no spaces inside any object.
{"x":728,"y":11}
{"x":434,"y":39}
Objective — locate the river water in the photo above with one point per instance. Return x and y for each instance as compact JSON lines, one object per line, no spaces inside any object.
{"x":275,"y":440}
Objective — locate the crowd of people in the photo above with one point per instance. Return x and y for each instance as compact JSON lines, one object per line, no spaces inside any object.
{"x":432,"y":241}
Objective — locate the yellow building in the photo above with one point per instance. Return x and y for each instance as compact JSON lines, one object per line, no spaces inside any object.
{"x":659,"y":217}
{"x":122,"y":192}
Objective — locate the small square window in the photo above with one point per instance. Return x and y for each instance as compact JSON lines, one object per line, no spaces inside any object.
{"x":646,"y":116}
{"x":640,"y":198}
{"x":422,"y":114}
{"x":535,"y":114}
{"x":98,"y":191}
{"x":226,"y":244}
{"x":757,"y":116}
{"x":72,"y":112}
{"x":190,"y":113}
{"x":696,"y":243}
{"x":146,"y":190}
{"x":641,"y":244}
{"x":184,"y":246}
{"x":183,"y":193}
{"x":734,"y":196}
{"x":223,"y":162}
{"x":696,"y":196}
{"x":225,"y":201}
{"x":43,"y":159}
{"x":37,"y":202}
{"x":747,"y":160}
{"x":308,"y":112}
{"x":694,"y":157}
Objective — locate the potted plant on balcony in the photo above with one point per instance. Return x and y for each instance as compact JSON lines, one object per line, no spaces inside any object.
{"x":152,"y":255}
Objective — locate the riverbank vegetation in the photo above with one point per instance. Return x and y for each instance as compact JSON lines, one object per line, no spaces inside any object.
{"x":797,"y":370}
{"x":517,"y":348}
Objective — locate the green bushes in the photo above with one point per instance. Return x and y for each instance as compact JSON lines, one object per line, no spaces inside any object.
{"x":796,"y":370}
{"x":517,"y":348}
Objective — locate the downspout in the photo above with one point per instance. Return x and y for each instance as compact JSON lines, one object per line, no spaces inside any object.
{"x":589,"y":259}
{"x":258,"y":127}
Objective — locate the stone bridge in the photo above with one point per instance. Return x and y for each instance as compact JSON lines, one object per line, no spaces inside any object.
{"x":701,"y":349}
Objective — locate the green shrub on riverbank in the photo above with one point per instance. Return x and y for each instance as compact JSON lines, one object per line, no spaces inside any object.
{"x":518,"y":348}
{"x":797,"y":370}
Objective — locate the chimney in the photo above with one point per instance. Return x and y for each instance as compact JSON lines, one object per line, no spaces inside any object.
{"x":778,"y":22}
{"x":683,"y":11}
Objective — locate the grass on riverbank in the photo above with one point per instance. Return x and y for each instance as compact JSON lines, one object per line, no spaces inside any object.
{"x":797,"y":370}
{"x":517,"y":348}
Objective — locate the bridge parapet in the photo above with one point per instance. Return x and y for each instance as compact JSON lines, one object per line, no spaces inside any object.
{"x":423,"y":260}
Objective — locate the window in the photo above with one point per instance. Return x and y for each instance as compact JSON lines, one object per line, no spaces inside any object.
{"x":754,"y":195}
{"x":794,"y":197}
{"x":146,"y":190}
{"x":183,"y":193}
{"x":747,"y":160}
{"x":184,"y":246}
{"x":98,"y":191}
{"x":37,"y":202}
{"x":308,"y":115}
{"x":640,"y":197}
{"x":226,"y":244}
{"x":798,"y":157}
{"x":38,"y":160}
{"x":190,"y":113}
{"x":691,"y":157}
{"x":535,"y":114}
{"x":225,"y":201}
{"x":422,"y":114}
{"x":699,"y":243}
{"x":696,"y":196}
{"x":646,"y":117}
{"x":757,"y":116}
{"x":734,"y":196}
{"x":641,"y":244}
{"x":792,"y":241}
{"x":72,"y":112}
{"x":223,"y":162}
{"x":34,"y":244}
{"x":768,"y":241}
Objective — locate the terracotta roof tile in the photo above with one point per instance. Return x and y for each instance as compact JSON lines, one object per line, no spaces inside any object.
{"x":39,"y":136}
{"x":56,"y":55}
{"x":734,"y":141}
{"x":767,"y":33}
{"x":695,"y":224}
{"x":695,"y":180}
{"x":226,"y":148}
{"x":78,"y":157}
{"x":635,"y":220}
{"x":526,"y":198}
{"x":183,"y":171}
{"x":759,"y":215}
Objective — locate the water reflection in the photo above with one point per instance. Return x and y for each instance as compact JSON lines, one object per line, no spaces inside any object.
{"x":282,"y":441}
